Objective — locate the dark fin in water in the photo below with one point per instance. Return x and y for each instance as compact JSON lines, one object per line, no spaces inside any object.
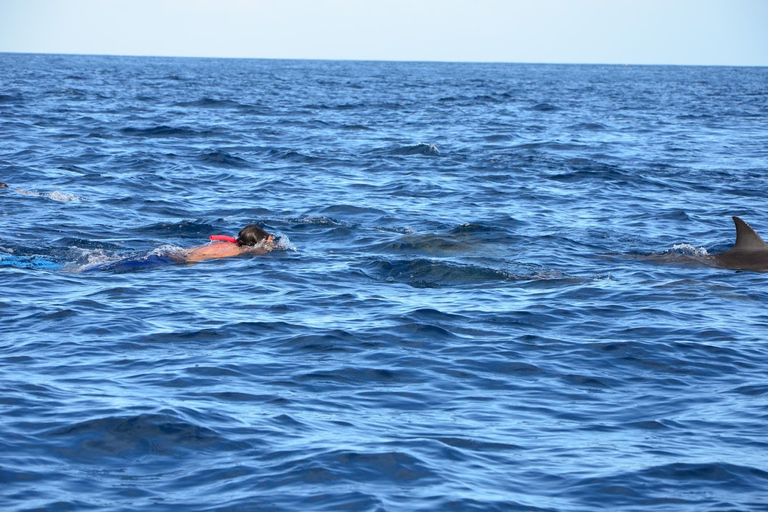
{"x":746,"y":238}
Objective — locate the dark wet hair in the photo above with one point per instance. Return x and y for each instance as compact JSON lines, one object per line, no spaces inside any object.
{"x":251,"y":235}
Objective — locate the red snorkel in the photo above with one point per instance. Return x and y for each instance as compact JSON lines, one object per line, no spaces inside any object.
{"x":223,"y":238}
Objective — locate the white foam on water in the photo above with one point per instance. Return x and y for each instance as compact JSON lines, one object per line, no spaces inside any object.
{"x":690,"y":250}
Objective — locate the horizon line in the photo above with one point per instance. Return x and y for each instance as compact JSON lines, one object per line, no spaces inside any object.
{"x":393,"y":60}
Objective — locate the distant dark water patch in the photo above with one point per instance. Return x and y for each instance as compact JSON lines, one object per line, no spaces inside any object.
{"x":591,"y":127}
{"x":427,"y":244}
{"x":486,"y":98}
{"x":222,"y":158}
{"x":295,"y":156}
{"x":473,"y":229}
{"x":676,"y":215}
{"x":752,"y":390}
{"x":589,"y":170}
{"x":421,"y":148}
{"x":71,"y":92}
{"x":546,"y":107}
{"x":466,"y":239}
{"x":467,"y":101}
{"x":326,"y":342}
{"x":499,"y":137}
{"x":212,"y":103}
{"x":357,"y":127}
{"x":353,"y":214}
{"x":160,"y":131}
{"x":548,"y":145}
{"x":132,"y":438}
{"x":11,"y":98}
{"x":425,"y":273}
{"x":358,"y":376}
{"x":394,"y":467}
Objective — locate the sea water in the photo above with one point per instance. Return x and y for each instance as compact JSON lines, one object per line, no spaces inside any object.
{"x":492,"y":294}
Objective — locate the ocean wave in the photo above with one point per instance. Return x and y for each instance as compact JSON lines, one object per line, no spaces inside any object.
{"x":354,"y":213}
{"x":591,"y":127}
{"x":591,"y":171}
{"x":291,"y":155}
{"x":472,"y":100}
{"x":675,"y":485}
{"x":183,"y":229}
{"x":75,"y":169}
{"x":546,"y":107}
{"x":210,"y":103}
{"x":394,"y":467}
{"x":554,"y":145}
{"x":222,"y":158}
{"x":315,"y":220}
{"x":427,"y":244}
{"x":358,"y":376}
{"x":160,"y":131}
{"x":357,"y":127}
{"x":467,"y":238}
{"x":11,"y":98}
{"x":77,"y":93}
{"x":131,"y":437}
{"x":338,"y":107}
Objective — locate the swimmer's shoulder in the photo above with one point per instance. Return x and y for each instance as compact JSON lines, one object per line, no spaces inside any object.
{"x":212,"y":251}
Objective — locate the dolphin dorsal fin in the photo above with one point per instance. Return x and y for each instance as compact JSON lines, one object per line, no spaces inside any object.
{"x":746,"y":238}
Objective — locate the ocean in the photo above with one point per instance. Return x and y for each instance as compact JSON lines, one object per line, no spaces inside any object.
{"x":491,"y":291}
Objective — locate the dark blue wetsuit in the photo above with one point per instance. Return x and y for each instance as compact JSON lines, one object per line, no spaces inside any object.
{"x":133,"y":263}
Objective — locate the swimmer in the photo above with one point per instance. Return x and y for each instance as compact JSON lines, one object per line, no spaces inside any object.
{"x":251,"y":240}
{"x":55,"y":195}
{"x":5,"y":185}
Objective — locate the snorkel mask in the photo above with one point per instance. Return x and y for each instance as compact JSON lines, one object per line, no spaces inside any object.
{"x":267,"y":243}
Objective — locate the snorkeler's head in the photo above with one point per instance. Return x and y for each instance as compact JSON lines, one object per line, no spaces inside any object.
{"x":251,"y":235}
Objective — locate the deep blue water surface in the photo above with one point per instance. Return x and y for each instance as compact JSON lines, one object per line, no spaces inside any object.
{"x":492,"y":293}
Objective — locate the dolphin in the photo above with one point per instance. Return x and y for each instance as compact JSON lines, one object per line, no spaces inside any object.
{"x":750,"y":252}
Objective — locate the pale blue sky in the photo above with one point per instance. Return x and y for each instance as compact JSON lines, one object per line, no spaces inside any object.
{"x":705,"y":32}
